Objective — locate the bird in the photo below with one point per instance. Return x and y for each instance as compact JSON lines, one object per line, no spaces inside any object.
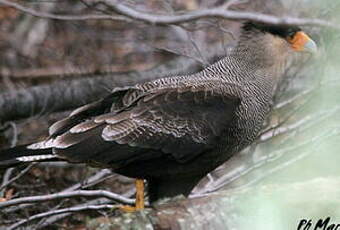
{"x":173,"y":131}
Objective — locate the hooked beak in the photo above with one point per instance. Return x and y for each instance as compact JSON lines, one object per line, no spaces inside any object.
{"x":303,"y":43}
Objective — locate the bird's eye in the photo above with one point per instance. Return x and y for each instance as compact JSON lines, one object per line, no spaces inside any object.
{"x":291,"y":34}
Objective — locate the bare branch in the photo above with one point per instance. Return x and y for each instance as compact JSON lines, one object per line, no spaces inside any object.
{"x":154,"y":19}
{"x":62,"y":17}
{"x":62,"y":195}
{"x":55,"y":218}
{"x":22,"y":172}
{"x":124,"y":10}
{"x":61,"y":211}
{"x":5,"y":179}
{"x":92,"y":180}
{"x":273,"y":156}
{"x":294,"y":98}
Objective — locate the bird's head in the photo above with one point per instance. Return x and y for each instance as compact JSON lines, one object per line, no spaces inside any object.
{"x":281,"y":36}
{"x":264,"y":46}
{"x":267,"y":48}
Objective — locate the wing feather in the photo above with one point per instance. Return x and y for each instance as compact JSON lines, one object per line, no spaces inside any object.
{"x":180,"y":119}
{"x":182,"y":122}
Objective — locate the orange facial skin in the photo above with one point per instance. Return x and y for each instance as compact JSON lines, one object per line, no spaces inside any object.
{"x":299,"y":40}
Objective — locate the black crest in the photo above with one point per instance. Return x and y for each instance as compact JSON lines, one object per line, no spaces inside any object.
{"x":278,"y":30}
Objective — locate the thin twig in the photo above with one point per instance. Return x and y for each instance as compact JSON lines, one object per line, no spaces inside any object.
{"x":226,"y":179}
{"x":58,"y":206}
{"x":294,"y":98}
{"x":5,"y":179}
{"x":229,"y":3}
{"x":61,"y":211}
{"x":154,"y":19}
{"x":276,"y":129}
{"x":52,"y":219}
{"x":198,"y":50}
{"x":93,"y":180}
{"x":22,"y":172}
{"x":62,"y":17}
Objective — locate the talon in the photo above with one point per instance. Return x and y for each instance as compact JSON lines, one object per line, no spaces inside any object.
{"x":127,"y":208}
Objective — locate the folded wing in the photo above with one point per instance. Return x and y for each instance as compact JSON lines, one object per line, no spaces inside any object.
{"x":181,"y":121}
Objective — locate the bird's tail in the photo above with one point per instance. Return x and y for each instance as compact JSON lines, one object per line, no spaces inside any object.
{"x":23,"y":154}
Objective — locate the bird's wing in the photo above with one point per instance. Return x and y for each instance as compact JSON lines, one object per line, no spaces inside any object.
{"x":181,"y":120}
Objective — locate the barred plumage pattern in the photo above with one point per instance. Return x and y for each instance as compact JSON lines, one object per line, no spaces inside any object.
{"x":173,"y":131}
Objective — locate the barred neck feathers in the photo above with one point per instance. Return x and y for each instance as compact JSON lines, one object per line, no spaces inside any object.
{"x":262,"y":51}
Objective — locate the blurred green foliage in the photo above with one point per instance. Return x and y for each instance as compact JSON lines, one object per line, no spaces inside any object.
{"x":298,"y":171}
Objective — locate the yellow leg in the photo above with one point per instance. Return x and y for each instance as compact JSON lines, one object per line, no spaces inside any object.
{"x":139,"y":198}
{"x":139,"y":194}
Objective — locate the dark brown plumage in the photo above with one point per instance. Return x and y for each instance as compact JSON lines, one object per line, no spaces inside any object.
{"x":175,"y":130}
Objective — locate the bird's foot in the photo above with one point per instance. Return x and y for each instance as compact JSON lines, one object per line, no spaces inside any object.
{"x":139,"y":198}
{"x":128,"y":208}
